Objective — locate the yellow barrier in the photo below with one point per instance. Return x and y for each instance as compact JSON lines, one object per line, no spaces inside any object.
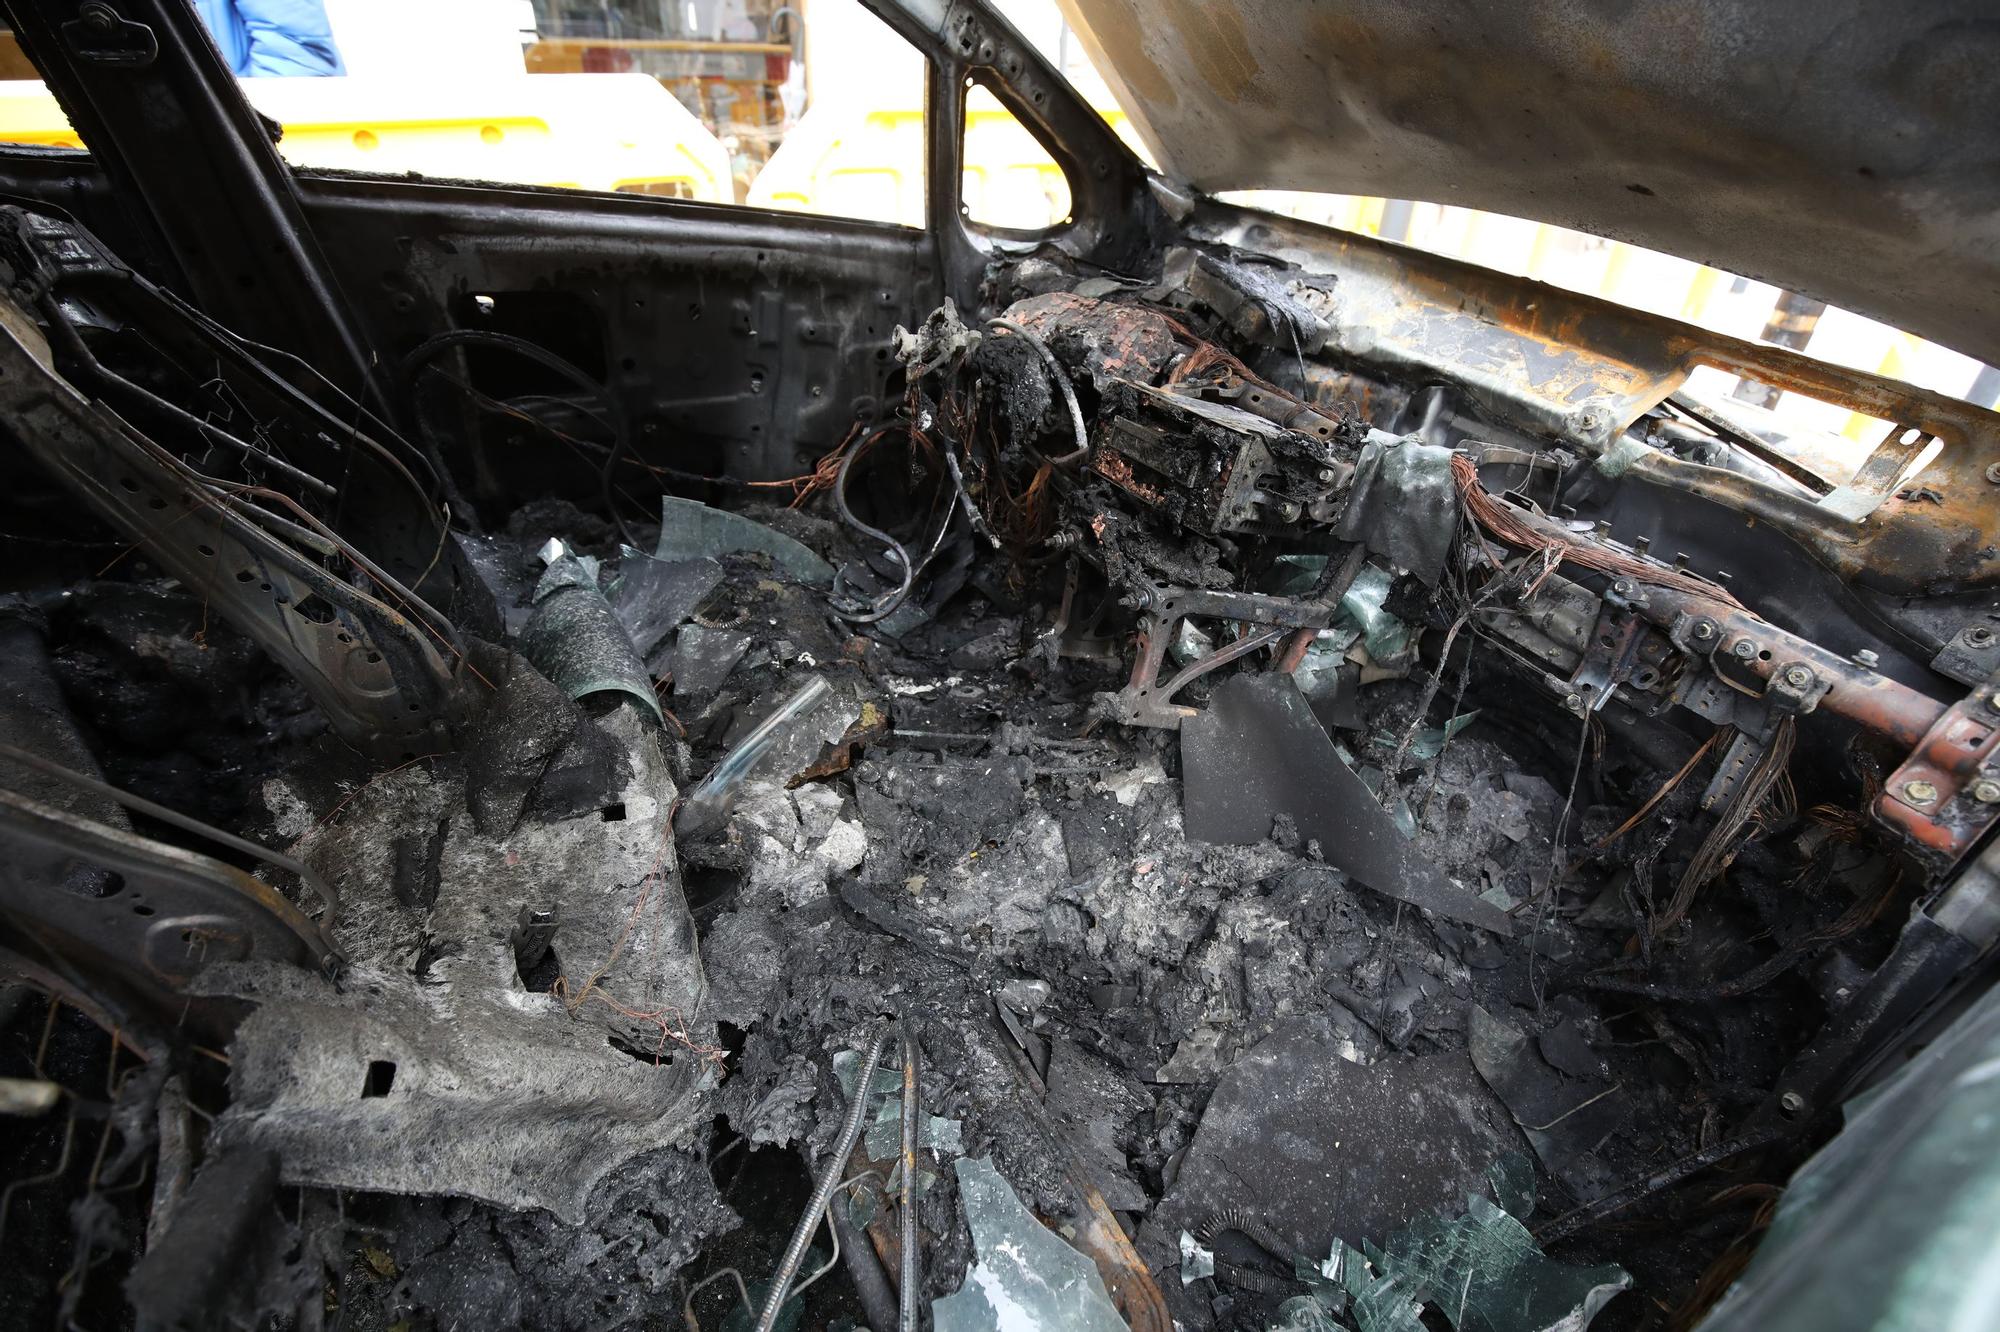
{"x":580,"y":131}
{"x":849,"y":159}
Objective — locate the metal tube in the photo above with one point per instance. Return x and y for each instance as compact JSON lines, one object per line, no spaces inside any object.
{"x":829,"y":1180}
{"x":871,"y":1283}
{"x":911,"y":1275}
{"x":709,"y":803}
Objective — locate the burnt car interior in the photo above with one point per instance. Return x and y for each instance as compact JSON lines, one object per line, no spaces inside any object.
{"x":589,"y":761}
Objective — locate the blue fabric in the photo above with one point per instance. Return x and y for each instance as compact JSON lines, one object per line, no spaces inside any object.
{"x":272,"y":37}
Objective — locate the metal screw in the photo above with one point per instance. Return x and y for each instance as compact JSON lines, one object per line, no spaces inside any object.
{"x":1920,"y":793}
{"x":1993,"y":473}
{"x":1622,"y":588}
{"x":1574,"y":702}
{"x":1866,"y":658}
{"x":1744,"y":649}
{"x":1791,"y":1103}
{"x":1798,"y":676}
{"x":1978,"y":636}
{"x":1702,"y":631}
{"x":1986,"y":791}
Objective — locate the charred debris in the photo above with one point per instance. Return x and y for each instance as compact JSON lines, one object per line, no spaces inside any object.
{"x":1162,"y":828}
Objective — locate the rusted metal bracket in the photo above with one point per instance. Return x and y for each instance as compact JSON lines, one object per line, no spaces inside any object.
{"x":1146,"y":700}
{"x":1972,"y":654}
{"x":1797,"y":673}
{"x":1946,"y":795}
{"x":1737,"y":761}
{"x":1611,"y":657}
{"x":1876,"y":479}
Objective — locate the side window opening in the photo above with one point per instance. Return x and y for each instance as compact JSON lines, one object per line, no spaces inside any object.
{"x":812,"y":107}
{"x":29,"y":116}
{"x":1010,"y":181}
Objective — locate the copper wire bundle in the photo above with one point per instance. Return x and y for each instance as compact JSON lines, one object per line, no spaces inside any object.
{"x":1516,"y":528}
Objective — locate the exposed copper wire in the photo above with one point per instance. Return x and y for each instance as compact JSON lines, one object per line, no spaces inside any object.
{"x":1513,"y":526}
{"x":1746,"y":806}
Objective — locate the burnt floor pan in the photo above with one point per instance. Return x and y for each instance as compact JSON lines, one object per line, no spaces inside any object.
{"x":1168,"y":823}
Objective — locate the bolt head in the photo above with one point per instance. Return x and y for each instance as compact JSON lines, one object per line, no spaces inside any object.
{"x":1867,"y":658}
{"x":1978,"y":636}
{"x":1993,"y":473}
{"x":1744,"y":648}
{"x":1703,"y":630}
{"x":1791,"y":1103}
{"x":1798,"y":677}
{"x":1920,"y":793}
{"x":1986,"y":791}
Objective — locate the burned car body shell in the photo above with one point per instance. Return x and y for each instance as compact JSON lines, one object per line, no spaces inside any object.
{"x":1087,"y":728}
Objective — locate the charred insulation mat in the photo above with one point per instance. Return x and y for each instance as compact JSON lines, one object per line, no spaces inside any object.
{"x":433,"y":1068}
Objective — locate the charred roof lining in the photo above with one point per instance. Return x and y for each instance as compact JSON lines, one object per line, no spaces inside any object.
{"x":1841,"y":150}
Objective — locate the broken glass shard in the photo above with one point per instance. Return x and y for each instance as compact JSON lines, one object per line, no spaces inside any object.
{"x":1380,"y":1301}
{"x":884,"y":1138}
{"x":1481,"y":1270}
{"x":1485,"y":1273}
{"x":1197,"y":1260}
{"x":703,"y":658}
{"x":1024,"y":1276}
{"x":1387,"y":638}
{"x":651,"y":597}
{"x":691,"y":530}
{"x":1403,"y":504}
{"x":1429,"y":742}
{"x":1305,"y":1313}
{"x":1512,"y":1179}
{"x":1189,"y":644}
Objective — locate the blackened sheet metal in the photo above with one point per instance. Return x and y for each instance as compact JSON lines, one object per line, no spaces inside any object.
{"x":1564,"y":1117}
{"x":1258,"y":752}
{"x":575,"y":638}
{"x":1403,"y":505}
{"x":531,"y":742}
{"x":1306,"y":1147}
